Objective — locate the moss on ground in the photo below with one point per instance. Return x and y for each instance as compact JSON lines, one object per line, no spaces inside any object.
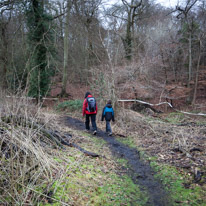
{"x":178,"y":183}
{"x":183,"y":190}
{"x":95,"y":181}
{"x":99,"y":181}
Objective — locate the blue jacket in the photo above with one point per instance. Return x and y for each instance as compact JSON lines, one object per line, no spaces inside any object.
{"x":108,"y":113}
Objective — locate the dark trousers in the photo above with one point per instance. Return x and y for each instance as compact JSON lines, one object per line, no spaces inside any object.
{"x":91,"y":117}
{"x":108,"y":127}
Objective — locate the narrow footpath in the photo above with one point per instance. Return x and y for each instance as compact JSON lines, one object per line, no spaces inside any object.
{"x":140,"y":171}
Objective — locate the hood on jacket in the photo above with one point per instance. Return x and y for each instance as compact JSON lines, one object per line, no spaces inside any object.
{"x":109,"y":105}
{"x":87,"y":94}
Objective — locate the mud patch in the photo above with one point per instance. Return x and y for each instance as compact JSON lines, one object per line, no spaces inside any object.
{"x":140,"y":172}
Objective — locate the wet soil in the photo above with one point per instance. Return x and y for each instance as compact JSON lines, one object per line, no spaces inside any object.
{"x":140,"y":171}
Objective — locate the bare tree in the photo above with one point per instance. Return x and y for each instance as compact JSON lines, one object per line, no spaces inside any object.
{"x":130,"y":13}
{"x":66,"y":49}
{"x":184,"y":14}
{"x":197,"y":73}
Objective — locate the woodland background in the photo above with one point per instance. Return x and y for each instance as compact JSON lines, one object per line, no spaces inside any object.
{"x":131,"y":49}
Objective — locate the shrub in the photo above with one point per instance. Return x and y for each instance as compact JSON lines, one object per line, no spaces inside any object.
{"x":72,"y":105}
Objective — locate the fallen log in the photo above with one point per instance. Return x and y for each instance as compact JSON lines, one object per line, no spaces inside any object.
{"x":87,"y":153}
{"x":65,"y":138}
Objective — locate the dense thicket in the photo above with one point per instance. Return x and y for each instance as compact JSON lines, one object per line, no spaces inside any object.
{"x":74,"y":37}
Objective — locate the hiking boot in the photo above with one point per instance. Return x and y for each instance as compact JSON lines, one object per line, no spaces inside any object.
{"x":110,"y":134}
{"x":95,"y":132}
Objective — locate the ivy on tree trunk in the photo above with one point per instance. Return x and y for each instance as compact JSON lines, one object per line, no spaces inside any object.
{"x":40,"y":39}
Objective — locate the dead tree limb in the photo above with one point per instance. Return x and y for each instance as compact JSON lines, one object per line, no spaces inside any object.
{"x":65,"y":140}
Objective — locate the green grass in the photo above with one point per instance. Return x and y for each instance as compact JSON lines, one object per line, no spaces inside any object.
{"x":175,"y":117}
{"x":129,"y":141}
{"x":122,"y":162}
{"x":174,"y":181}
{"x":92,"y":184}
{"x":98,"y":181}
{"x":71,"y":105}
{"x":95,"y":181}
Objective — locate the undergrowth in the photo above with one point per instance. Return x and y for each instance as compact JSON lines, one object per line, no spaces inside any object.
{"x":34,"y":171}
{"x":183,"y":191}
{"x":26,"y":153}
{"x":175,"y":117}
{"x":71,"y":105}
{"x":89,"y":181}
{"x":180,"y":185}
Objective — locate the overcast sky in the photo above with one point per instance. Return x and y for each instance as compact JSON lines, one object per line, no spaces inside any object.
{"x":166,"y":3}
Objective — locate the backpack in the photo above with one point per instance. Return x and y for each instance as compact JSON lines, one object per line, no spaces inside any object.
{"x":91,"y":104}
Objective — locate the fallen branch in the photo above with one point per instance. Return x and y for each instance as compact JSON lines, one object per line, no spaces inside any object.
{"x":65,"y":141}
{"x":161,"y":103}
{"x":87,"y":153}
{"x":32,"y":98}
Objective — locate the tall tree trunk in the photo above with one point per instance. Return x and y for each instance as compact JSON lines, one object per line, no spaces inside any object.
{"x":66,"y":50}
{"x":164,"y":67}
{"x":4,"y":54}
{"x":190,"y":60}
{"x":40,"y":35}
{"x":197,"y":75}
{"x":128,"y":39}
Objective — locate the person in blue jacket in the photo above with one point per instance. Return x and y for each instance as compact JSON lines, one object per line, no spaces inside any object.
{"x":108,"y":115}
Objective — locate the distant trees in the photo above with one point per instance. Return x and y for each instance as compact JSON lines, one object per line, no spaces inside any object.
{"x":72,"y":38}
{"x":131,"y":13}
{"x":86,"y":46}
{"x":80,"y":28}
{"x":26,"y":46}
{"x":188,"y":31}
{"x":191,"y":38}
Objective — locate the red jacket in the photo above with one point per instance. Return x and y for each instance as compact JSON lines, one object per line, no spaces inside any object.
{"x":84,"y":109}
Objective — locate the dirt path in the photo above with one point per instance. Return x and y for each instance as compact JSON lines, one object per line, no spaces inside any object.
{"x":140,"y":172}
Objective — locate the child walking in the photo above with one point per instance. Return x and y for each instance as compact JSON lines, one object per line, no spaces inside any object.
{"x":108,"y":115}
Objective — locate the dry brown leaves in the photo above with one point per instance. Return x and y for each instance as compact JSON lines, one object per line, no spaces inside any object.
{"x":183,"y":145}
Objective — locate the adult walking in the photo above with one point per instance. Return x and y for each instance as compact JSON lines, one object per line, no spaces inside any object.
{"x":90,"y":110}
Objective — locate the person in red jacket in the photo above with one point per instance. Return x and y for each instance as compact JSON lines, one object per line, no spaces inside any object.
{"x":90,"y":110}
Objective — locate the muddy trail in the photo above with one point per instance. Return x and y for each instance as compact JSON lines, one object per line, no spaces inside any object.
{"x":140,"y":171}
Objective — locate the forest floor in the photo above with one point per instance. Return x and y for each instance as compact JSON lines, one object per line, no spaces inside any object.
{"x":139,"y":171}
{"x":163,"y":156}
{"x":151,"y":159}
